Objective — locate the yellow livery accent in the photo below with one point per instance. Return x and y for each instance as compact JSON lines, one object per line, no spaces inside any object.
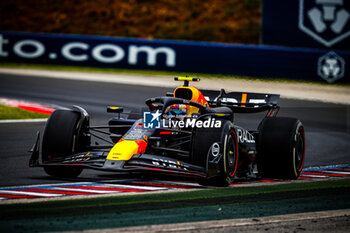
{"x":115,"y":109}
{"x":123,"y":150}
{"x":187,"y":79}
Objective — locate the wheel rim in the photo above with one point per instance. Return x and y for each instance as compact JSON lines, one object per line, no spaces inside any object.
{"x":231,"y":154}
{"x":300,"y":150}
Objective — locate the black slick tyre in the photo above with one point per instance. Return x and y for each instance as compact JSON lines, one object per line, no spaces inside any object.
{"x":281,"y":148}
{"x":60,"y":140}
{"x":230,"y":158}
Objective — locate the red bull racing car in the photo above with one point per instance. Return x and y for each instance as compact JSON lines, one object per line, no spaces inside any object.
{"x":185,"y":133}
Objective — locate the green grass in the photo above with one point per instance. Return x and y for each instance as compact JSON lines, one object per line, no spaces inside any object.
{"x":160,"y":73}
{"x":177,"y":207}
{"x":11,"y":113}
{"x":156,"y":200}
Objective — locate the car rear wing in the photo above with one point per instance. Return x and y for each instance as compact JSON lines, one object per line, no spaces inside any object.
{"x":242,"y":102}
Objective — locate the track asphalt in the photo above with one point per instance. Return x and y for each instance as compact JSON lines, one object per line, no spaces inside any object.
{"x":327,"y":131}
{"x":327,"y":125}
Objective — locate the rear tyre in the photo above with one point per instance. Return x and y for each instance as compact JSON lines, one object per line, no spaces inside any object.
{"x":61,"y":139}
{"x":229,"y":161}
{"x":281,"y":148}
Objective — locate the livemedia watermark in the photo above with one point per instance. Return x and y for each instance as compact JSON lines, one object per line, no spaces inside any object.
{"x":154,"y":120}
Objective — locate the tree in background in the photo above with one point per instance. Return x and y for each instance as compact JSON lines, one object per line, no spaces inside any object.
{"x":232,"y":21}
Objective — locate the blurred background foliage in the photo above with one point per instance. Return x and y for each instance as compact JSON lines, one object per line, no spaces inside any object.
{"x":231,"y":21}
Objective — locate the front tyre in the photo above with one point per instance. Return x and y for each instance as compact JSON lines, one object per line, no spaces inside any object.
{"x":62,"y":137}
{"x":229,"y":161}
{"x":281,"y":147}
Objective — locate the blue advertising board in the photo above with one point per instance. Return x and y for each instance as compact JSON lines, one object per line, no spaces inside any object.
{"x":306,"y":23}
{"x":178,"y":56}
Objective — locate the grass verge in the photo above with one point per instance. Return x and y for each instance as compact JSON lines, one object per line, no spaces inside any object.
{"x":162,"y":208}
{"x":12,"y":113}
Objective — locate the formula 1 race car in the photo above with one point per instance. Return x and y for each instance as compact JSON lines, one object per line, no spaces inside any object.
{"x":185,"y":133}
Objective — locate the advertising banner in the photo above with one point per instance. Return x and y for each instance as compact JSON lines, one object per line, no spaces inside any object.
{"x":178,"y":56}
{"x":307,"y":23}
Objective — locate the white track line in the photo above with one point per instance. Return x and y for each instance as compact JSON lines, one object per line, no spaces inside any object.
{"x":12,"y":192}
{"x":48,"y":185}
{"x":314,"y":176}
{"x":24,"y":121}
{"x":134,"y":187}
{"x":337,"y":172}
{"x":86,"y":190}
{"x":194,"y":185}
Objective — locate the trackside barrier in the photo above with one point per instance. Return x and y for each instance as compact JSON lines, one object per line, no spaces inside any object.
{"x":306,"y":23}
{"x":178,"y":56}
